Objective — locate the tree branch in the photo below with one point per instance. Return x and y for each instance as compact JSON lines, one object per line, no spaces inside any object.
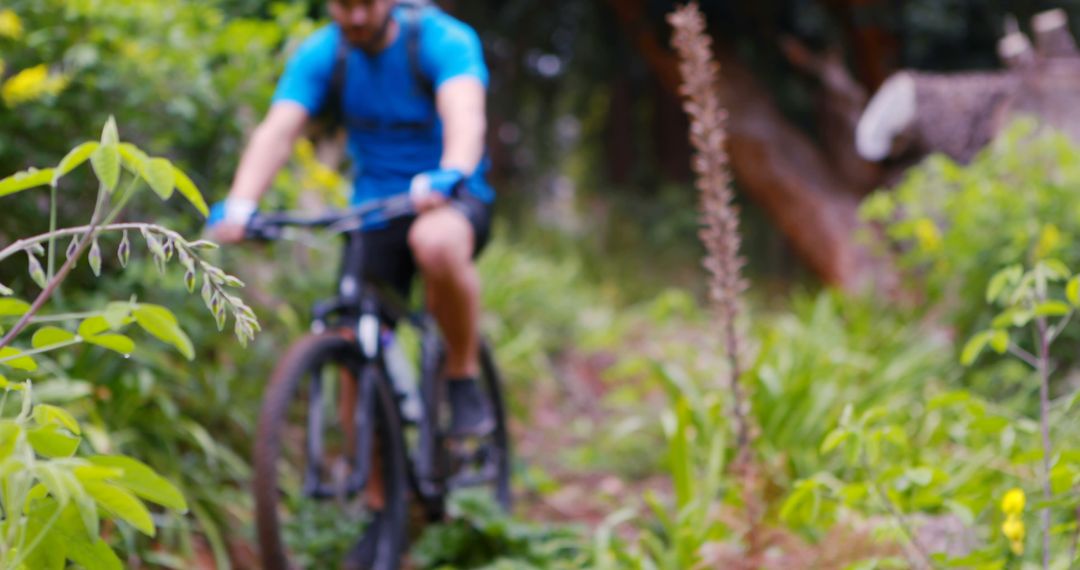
{"x":50,"y":287}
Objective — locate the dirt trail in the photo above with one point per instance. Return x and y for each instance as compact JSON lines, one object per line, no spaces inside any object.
{"x":544,"y":441}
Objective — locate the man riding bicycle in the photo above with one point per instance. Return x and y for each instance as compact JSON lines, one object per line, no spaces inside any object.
{"x":409,"y":85}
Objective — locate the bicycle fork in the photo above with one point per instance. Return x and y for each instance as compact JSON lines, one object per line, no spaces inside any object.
{"x":356,"y":411}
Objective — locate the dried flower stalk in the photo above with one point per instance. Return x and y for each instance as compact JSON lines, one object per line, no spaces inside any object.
{"x":719,"y":216}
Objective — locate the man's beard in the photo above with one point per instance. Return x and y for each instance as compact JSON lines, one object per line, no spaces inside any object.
{"x":376,"y":42}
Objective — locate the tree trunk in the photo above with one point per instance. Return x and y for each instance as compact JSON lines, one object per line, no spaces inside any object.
{"x":915,"y":113}
{"x":778,"y":166}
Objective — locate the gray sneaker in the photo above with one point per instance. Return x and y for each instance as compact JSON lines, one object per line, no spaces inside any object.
{"x":470,"y":414}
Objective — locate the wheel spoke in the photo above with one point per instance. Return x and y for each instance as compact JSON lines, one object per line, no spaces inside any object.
{"x":314,"y":450}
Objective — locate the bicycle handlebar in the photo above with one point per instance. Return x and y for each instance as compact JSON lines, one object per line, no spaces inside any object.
{"x":269,"y":227}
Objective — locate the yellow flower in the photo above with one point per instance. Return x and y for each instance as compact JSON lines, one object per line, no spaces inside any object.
{"x":927,"y":234}
{"x":1013,"y":502}
{"x":1013,"y":529}
{"x":1049,"y":241}
{"x":10,"y":25}
{"x":318,"y":177}
{"x":30,"y":84}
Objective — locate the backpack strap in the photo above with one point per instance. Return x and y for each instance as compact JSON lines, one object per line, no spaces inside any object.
{"x":333,"y":110}
{"x":413,"y":11}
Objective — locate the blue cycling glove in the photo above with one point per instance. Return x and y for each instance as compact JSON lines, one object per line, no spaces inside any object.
{"x":236,"y":211}
{"x":443,"y":181}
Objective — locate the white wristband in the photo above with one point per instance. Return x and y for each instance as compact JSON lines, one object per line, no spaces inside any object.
{"x":420,"y":186}
{"x":239,"y":210}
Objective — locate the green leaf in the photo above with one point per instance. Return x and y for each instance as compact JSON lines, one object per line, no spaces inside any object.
{"x":1002,"y":279}
{"x":114,"y":342}
{"x":121,"y":504}
{"x":49,"y":336}
{"x":91,"y":552}
{"x":106,"y":157}
{"x":140,"y":479}
{"x":1055,"y":270}
{"x":1024,"y":288}
{"x":974,"y":347}
{"x":999,"y":341}
{"x":6,"y":384}
{"x":187,"y":189}
{"x":49,"y":441}
{"x":9,"y":436}
{"x":159,"y":175}
{"x":921,"y":476}
{"x":88,"y":512}
{"x":94,"y":326}
{"x":1073,"y":400}
{"x":834,"y":439}
{"x":1012,"y":318}
{"x":44,"y":414}
{"x":11,"y":357}
{"x":160,"y":322}
{"x":134,"y":159}
{"x":1072,"y":291}
{"x":52,"y":481}
{"x":1062,"y":478}
{"x":25,"y":180}
{"x":1052,"y":308}
{"x":948,"y":399}
{"x":118,"y":314}
{"x":51,"y":550}
{"x":109,"y":134}
{"x":76,"y":157}
{"x":96,"y":473}
{"x":10,"y":307}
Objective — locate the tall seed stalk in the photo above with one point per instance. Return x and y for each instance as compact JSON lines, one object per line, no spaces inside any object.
{"x":720,"y":235}
{"x":719,"y":216}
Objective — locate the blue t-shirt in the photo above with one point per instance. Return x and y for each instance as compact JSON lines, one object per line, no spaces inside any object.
{"x":394,"y":131}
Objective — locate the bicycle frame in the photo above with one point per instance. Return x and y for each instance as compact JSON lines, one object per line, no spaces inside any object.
{"x":361,"y":309}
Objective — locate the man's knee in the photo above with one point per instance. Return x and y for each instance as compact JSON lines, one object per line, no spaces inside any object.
{"x":441,"y":242}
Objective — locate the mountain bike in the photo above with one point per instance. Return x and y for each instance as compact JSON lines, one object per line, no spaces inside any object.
{"x":345,"y":438}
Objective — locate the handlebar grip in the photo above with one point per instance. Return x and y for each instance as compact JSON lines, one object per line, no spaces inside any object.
{"x":257,"y":230}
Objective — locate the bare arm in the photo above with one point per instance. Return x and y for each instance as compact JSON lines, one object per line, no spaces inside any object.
{"x":266,"y":152}
{"x":269,"y":148}
{"x":461,"y":105}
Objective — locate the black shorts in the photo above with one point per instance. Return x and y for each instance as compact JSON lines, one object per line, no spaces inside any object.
{"x":387,"y":259}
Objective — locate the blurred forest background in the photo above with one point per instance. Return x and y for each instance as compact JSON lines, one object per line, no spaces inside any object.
{"x":879,"y":428}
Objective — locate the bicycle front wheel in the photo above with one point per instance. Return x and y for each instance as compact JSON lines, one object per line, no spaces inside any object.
{"x":330,"y":470}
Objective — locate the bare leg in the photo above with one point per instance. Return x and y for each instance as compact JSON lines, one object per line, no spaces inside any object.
{"x":442,"y":244}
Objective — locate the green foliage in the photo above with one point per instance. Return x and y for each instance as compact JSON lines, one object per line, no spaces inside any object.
{"x":184,"y":76}
{"x":173,"y":68}
{"x":54,"y":500}
{"x":61,"y":512}
{"x":535,"y":307}
{"x":953,"y":227}
{"x":481,"y":536}
{"x":697,"y":432}
{"x":956,"y":444}
{"x":828,"y":353}
{"x":320,"y":535}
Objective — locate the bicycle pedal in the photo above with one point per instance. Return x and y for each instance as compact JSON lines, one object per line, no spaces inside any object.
{"x":482,"y":432}
{"x":474,"y":478}
{"x":467,"y":450}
